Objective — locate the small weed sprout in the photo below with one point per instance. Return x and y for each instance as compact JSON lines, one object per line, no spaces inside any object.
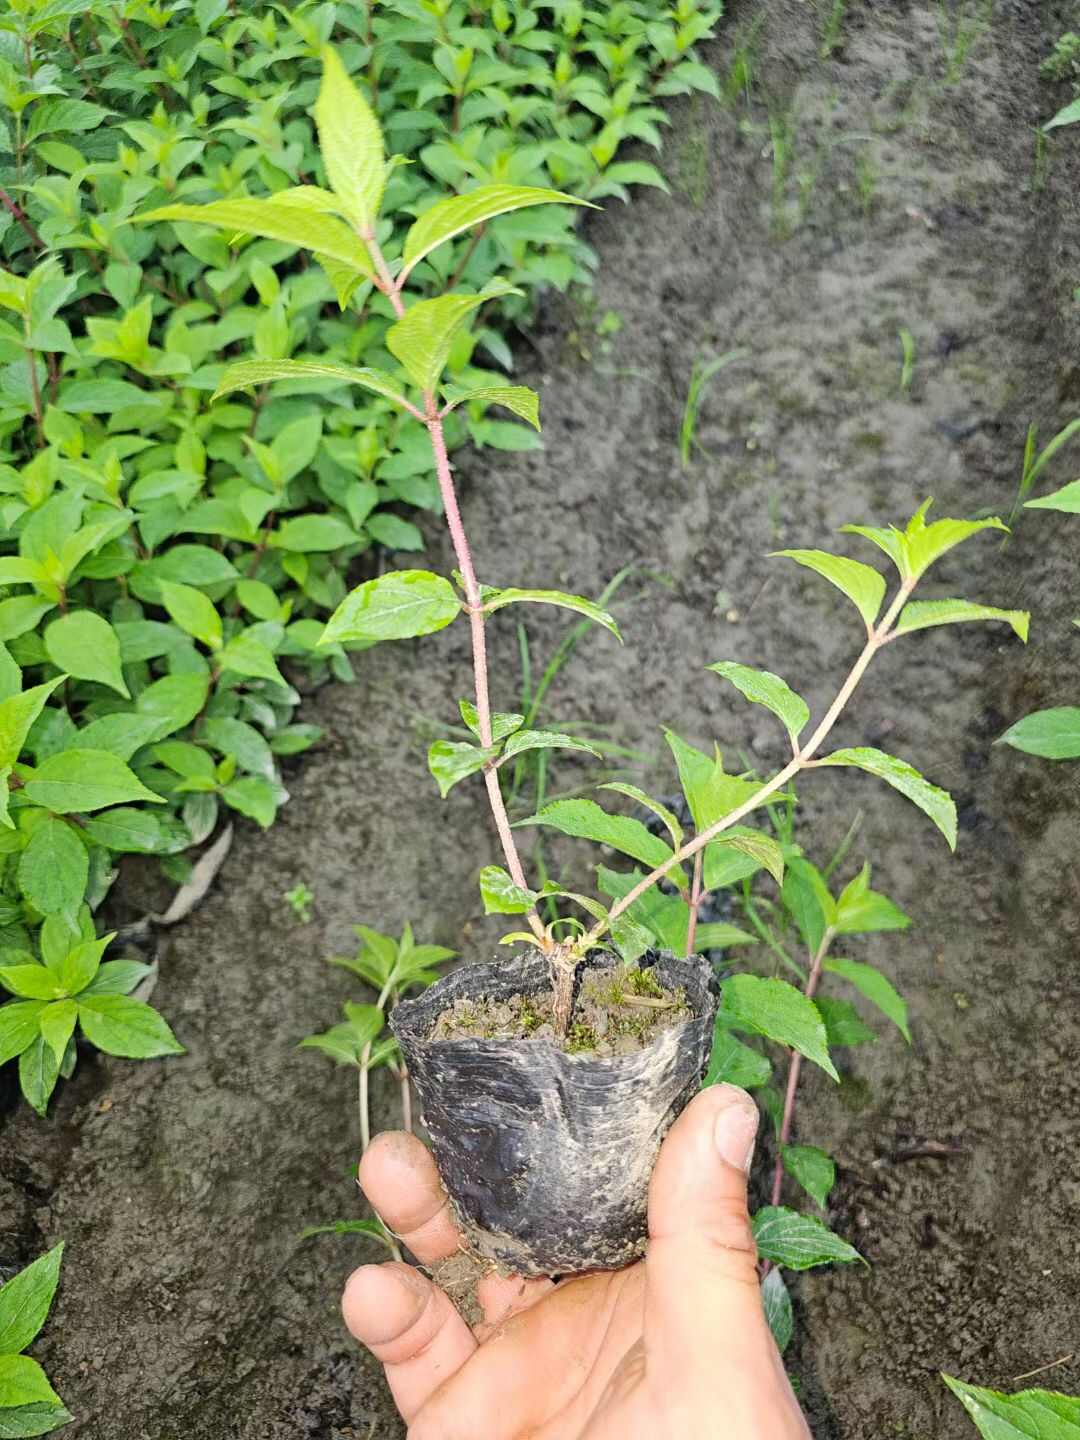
{"x":907,"y":359}
{"x":1035,"y":459}
{"x":300,"y":900}
{"x":701,"y":373}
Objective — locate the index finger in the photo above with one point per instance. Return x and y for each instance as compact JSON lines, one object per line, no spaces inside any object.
{"x":399,"y":1178}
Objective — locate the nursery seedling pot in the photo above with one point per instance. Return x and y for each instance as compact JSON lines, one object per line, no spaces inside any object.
{"x":546,"y":1155}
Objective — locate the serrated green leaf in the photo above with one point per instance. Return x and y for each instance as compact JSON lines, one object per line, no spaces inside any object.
{"x":244,"y":655}
{"x":807,"y":900}
{"x":587,"y":821}
{"x":764,"y":688}
{"x":921,"y":614}
{"x":273,"y":220}
{"x":452,"y":760}
{"x":18,"y":1026}
{"x":1052,"y":734}
{"x":778,"y":1011}
{"x":57,"y":1023}
{"x":17,"y":714}
{"x":1027,"y":1415}
{"x":423,"y":337}
{"x":247,"y":374}
{"x":798,"y":1242}
{"x":502,"y":724}
{"x":80,"y":780}
{"x":447,"y":218}
{"x":23,"y":1382}
{"x":915,"y":548}
{"x":85,"y":645}
{"x":710,"y":792}
{"x":25,"y":1301}
{"x":733,"y":1063}
{"x":843,"y":1024}
{"x":875,"y":987}
{"x":39,"y":1071}
{"x":762,"y":849}
{"x":522,"y":740}
{"x":54,"y":868}
{"x":812,"y":1169}
{"x":350,"y":143}
{"x":27,"y":1420}
{"x":937,"y":804}
{"x":862,"y":584}
{"x":862,"y":911}
{"x":778,"y":1311}
{"x":31,"y":982}
{"x":662,"y":813}
{"x":118,"y":977}
{"x":517,"y":398}
{"x":395,"y":606}
{"x":497,"y":599}
{"x":339,"y":1043}
{"x":500,"y":895}
{"x":122,"y":1026}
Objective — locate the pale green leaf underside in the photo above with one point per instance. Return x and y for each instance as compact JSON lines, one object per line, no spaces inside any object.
{"x":812,"y":1169}
{"x":921,"y":614}
{"x":931,"y":800}
{"x":634,"y":792}
{"x":764,"y":688}
{"x":797,"y":1242}
{"x":500,"y":895}
{"x":545,"y":740}
{"x":585,"y":820}
{"x":451,"y":217}
{"x":1027,"y":1415}
{"x":293,"y":224}
{"x":1067,"y":499}
{"x":248,"y":373}
{"x":1052,"y":734}
{"x":778,"y":1311}
{"x":452,"y":760}
{"x":578,"y":603}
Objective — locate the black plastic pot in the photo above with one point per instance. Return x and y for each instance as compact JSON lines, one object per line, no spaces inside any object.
{"x":547,"y":1156}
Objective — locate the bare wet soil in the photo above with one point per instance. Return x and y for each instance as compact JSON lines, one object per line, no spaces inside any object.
{"x":189,"y":1307}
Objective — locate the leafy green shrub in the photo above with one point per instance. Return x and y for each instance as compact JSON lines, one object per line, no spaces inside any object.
{"x":166,"y":562}
{"x":28,"y":1403}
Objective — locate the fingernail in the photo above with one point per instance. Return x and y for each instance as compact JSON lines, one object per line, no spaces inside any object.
{"x":735,"y":1129}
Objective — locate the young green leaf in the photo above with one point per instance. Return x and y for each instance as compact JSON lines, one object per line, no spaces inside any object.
{"x":395,"y":606}
{"x":57,"y":1022}
{"x":25,"y":1301}
{"x":273,"y":220}
{"x":502,"y":724}
{"x":80,"y":780}
{"x":875,"y":987}
{"x":1027,"y":1415}
{"x":812,"y":1169}
{"x":500,"y":895}
{"x":797,"y":1242}
{"x":452,"y":760}
{"x":921,"y":614}
{"x":447,"y":218}
{"x":718,"y":936}
{"x":122,"y":1026}
{"x":518,"y":398}
{"x":422,"y":338}
{"x":807,"y":900}
{"x":18,"y":1026}
{"x":936,"y":803}
{"x":843,"y":1024}
{"x":710,"y":792}
{"x":248,"y":374}
{"x":1067,"y":499}
{"x":339,"y":1043}
{"x":54,"y":868}
{"x":862,"y":911}
{"x":522,"y":740}
{"x":245,"y":655}
{"x":762,"y":849}
{"x":39,"y":1071}
{"x":350,"y":142}
{"x":778,"y":1311}
{"x":85,"y":645}
{"x":733,"y":1063}
{"x":31,"y":982}
{"x":862,"y":584}
{"x":764,"y":688}
{"x":633,"y":792}
{"x":585,"y":820}
{"x":22,"y":1380}
{"x":497,"y":599}
{"x":915,"y":548}
{"x":17,"y":714}
{"x":1053,"y":734}
{"x":193,"y":611}
{"x":778,"y":1011}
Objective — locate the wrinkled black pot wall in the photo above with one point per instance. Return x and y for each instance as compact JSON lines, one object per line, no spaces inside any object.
{"x":547,"y":1156}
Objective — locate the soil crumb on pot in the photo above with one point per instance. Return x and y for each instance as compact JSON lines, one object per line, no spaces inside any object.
{"x":616,"y":1013}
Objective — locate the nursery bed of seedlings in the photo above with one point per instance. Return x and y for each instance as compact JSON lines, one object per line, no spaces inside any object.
{"x":849,"y":199}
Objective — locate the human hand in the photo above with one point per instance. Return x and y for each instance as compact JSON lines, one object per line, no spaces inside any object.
{"x":676,"y":1347}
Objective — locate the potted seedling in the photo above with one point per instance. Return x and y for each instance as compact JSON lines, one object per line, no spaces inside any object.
{"x":547,"y":1079}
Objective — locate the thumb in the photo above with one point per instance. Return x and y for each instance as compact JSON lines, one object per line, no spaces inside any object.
{"x":704,"y":1318}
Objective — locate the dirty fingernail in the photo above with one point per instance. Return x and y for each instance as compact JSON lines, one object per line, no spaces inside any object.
{"x":735,"y":1129}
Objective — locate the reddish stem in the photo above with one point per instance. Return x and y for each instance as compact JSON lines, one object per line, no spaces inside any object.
{"x":794,"y":1068}
{"x":16,"y":210}
{"x":696,"y":897}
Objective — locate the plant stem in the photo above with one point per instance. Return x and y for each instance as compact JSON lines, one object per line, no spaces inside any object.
{"x":876,"y":638}
{"x":795,"y":1066}
{"x":406,"y":1098}
{"x":19,"y":214}
{"x":460,"y":542}
{"x":365,"y":1114}
{"x":696,"y":898}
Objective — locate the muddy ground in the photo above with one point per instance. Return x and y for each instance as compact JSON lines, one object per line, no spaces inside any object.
{"x":188,"y":1306}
